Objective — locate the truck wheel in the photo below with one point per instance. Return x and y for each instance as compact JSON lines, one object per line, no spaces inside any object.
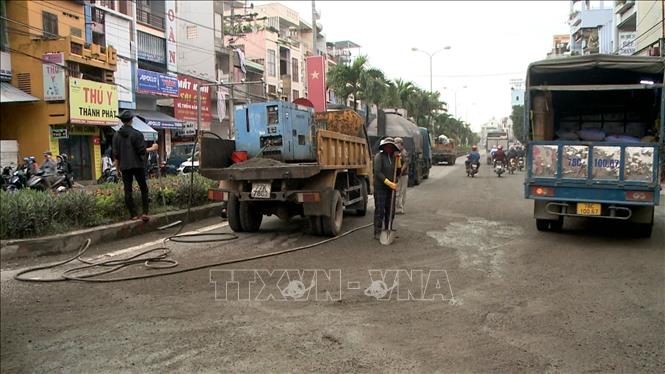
{"x":418,"y":178}
{"x":250,"y":217}
{"x":556,"y":225}
{"x":452,"y":161}
{"x":332,"y":224}
{"x":542,"y":224}
{"x":233,"y":213}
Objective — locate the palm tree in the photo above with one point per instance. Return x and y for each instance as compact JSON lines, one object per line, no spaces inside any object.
{"x":345,"y":80}
{"x":374,"y":87}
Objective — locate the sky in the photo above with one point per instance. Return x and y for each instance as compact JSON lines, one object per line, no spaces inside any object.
{"x":491,"y":42}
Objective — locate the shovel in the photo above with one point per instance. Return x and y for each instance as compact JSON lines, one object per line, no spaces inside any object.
{"x":387,"y":236}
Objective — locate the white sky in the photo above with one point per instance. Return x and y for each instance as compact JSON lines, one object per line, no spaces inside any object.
{"x":491,"y":42}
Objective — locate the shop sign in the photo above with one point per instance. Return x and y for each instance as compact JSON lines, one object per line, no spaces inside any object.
{"x":92,"y":103}
{"x":171,"y":28}
{"x":83,"y":130}
{"x":5,"y":66}
{"x":627,"y":43}
{"x":59,"y":133}
{"x":151,"y":82}
{"x":186,"y":104}
{"x":53,"y":76}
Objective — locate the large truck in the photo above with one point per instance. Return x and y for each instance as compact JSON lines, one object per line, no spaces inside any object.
{"x":445,"y":150}
{"x":286,"y":160}
{"x":495,"y":139}
{"x":394,"y":125}
{"x":596,"y":139}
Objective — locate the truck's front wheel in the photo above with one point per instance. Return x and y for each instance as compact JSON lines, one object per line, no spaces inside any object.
{"x":250,"y":217}
{"x":332,"y":224}
{"x":233,"y":213}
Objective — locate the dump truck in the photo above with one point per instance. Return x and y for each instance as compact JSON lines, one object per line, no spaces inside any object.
{"x":445,"y":150}
{"x":495,"y":139}
{"x":286,"y":160}
{"x":596,"y":139}
{"x":394,"y":125}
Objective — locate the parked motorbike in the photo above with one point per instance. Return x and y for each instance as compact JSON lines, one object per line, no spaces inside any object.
{"x":6,"y":176}
{"x":59,"y":182}
{"x":499,"y":168}
{"x":472,"y":169}
{"x":20,"y":176}
{"x":168,"y":169}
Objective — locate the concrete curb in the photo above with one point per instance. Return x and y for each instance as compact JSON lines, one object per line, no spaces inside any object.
{"x":72,"y":241}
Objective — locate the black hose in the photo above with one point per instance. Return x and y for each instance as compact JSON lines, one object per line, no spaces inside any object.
{"x":154,"y":261}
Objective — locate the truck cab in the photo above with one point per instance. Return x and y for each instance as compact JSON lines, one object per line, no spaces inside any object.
{"x":595,"y":150}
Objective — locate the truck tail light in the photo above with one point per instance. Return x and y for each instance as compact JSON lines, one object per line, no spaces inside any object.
{"x":215,"y":194}
{"x":639,"y":195}
{"x":308,"y":197}
{"x":239,"y":156}
{"x":542,"y":191}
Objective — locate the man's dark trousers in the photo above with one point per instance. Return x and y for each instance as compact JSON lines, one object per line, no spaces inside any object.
{"x":128,"y":176}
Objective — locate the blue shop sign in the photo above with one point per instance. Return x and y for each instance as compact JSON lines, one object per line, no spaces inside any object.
{"x":150,"y":82}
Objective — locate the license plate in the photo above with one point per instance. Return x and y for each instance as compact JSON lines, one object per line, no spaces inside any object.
{"x":260,"y":190}
{"x":588,"y":209}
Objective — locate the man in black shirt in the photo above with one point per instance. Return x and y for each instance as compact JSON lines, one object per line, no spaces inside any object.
{"x":129,"y":153}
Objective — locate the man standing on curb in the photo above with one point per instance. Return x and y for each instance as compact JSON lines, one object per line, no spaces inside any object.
{"x":129,"y":154}
{"x":403,"y":183}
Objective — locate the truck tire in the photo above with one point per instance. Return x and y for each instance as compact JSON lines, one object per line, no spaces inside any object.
{"x":452,"y":160}
{"x":644,"y":230}
{"x":233,"y":213}
{"x":250,"y":217}
{"x":542,"y":224}
{"x":332,"y":224}
{"x":419,"y":178}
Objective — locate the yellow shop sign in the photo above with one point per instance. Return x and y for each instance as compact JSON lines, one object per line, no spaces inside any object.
{"x":92,"y":103}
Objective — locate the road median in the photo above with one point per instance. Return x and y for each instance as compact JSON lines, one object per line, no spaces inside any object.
{"x":71,"y":241}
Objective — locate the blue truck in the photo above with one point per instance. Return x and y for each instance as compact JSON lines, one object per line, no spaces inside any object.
{"x":596,"y":139}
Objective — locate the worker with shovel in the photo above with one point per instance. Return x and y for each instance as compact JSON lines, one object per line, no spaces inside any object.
{"x":386,"y":169}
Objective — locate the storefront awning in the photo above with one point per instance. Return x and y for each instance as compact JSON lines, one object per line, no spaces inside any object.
{"x":11,"y":94}
{"x":148,"y":132}
{"x":159,"y":120}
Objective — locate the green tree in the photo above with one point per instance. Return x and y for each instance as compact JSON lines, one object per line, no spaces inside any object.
{"x":345,"y":80}
{"x":517,"y":116}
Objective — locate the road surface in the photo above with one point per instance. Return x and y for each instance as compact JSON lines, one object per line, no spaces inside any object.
{"x":496,"y":295}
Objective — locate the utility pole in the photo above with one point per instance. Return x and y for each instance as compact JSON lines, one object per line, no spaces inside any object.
{"x":232,"y":114}
{"x":314,"y":30}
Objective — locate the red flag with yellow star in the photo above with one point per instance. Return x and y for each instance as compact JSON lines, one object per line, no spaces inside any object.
{"x":316,"y":82}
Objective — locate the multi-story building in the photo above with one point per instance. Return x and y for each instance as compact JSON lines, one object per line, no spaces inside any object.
{"x":516,"y":92}
{"x":60,"y":61}
{"x":591,"y":27}
{"x":625,"y":18}
{"x":650,"y":28}
{"x":560,"y":46}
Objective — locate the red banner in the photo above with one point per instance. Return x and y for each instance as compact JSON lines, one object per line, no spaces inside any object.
{"x":186,"y":105}
{"x":316,"y":82}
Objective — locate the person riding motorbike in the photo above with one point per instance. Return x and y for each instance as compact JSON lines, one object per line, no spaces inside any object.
{"x":500,"y":155}
{"x":49,"y":166}
{"x":473,"y":157}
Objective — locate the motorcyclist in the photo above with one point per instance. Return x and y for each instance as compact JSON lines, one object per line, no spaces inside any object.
{"x":49,"y":166}
{"x":473,"y":157}
{"x":500,"y":155}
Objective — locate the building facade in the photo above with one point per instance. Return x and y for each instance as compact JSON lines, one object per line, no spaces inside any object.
{"x":650,"y":29}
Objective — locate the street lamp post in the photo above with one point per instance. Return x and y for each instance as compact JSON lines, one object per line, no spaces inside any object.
{"x":431,"y":56}
{"x":455,"y":93}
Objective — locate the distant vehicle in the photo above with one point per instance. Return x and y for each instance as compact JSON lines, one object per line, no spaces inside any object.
{"x":597,"y":139}
{"x":427,"y":151}
{"x":445,"y":150}
{"x":188,"y":165}
{"x":494,"y":139}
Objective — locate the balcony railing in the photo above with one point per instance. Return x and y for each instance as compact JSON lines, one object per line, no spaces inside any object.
{"x":149,"y":19}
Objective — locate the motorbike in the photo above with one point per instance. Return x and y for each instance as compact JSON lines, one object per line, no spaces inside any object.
{"x":6,"y":176}
{"x":19,"y":178}
{"x":168,"y":169}
{"x":472,"y":169}
{"x":520,"y":164}
{"x":59,"y":182}
{"x":499,"y":168}
{"x":109,"y":175}
{"x":512,"y":166}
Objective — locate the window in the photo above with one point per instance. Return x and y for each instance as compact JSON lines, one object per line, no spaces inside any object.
{"x":124,"y":7}
{"x":192,"y":32}
{"x":296,"y":94}
{"x":75,"y":31}
{"x":271,"y":63}
{"x":108,"y":3}
{"x":50,"y":25}
{"x":295,"y":73}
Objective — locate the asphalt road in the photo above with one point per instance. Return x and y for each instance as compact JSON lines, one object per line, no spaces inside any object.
{"x":498,"y":296}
